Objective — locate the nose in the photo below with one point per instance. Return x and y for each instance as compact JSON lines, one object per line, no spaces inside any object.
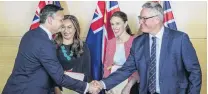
{"x":113,"y":27}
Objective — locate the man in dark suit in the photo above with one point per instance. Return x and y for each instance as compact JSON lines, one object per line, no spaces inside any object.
{"x":37,"y":68}
{"x":164,"y":58}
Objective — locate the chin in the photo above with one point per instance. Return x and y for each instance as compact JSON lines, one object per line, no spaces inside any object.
{"x":145,"y":31}
{"x":117,"y":35}
{"x":67,"y":37}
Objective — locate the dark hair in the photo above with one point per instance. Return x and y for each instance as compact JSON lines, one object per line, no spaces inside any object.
{"x":48,"y":10}
{"x":77,"y":45}
{"x":123,"y":16}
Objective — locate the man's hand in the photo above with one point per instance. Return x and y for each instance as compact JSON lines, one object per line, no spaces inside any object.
{"x":95,"y":87}
{"x":97,"y":84}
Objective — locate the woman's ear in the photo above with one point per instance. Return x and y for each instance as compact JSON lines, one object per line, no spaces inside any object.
{"x":126,"y":23}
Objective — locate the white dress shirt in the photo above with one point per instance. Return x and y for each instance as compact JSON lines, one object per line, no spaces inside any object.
{"x":158,"y":36}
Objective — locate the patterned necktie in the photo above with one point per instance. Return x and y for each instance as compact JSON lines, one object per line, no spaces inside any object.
{"x":152,"y":68}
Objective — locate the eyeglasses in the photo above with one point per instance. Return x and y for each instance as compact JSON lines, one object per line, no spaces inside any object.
{"x":145,"y":18}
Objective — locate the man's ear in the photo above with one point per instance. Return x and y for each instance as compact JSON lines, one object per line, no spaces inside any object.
{"x":157,"y":20}
{"x":49,"y":20}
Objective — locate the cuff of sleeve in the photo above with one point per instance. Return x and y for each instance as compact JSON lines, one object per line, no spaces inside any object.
{"x":104,"y":87}
{"x":86,"y":89}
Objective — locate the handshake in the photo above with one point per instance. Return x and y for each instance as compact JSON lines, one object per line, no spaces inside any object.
{"x":95,"y":87}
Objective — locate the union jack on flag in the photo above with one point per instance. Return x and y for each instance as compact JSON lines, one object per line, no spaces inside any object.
{"x":100,"y":31}
{"x":168,"y":16}
{"x":36,"y":19}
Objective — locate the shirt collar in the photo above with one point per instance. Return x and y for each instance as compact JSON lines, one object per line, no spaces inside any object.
{"x":47,"y":31}
{"x":159,"y":34}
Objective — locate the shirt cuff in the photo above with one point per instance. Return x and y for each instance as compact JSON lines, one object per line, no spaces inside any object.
{"x":104,"y":87}
{"x":86,"y":89}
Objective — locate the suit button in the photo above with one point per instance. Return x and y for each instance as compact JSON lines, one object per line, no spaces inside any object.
{"x":160,"y":82}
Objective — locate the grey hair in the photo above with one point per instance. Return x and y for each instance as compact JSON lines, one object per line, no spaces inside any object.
{"x":48,"y":11}
{"x":155,"y":7}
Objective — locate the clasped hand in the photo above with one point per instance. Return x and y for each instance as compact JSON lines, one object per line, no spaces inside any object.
{"x":95,"y":87}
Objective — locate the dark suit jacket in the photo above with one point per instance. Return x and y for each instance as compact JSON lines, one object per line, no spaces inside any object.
{"x":179,"y":69}
{"x":37,"y":68}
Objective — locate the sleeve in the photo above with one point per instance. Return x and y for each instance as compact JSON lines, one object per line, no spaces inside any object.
{"x":48,"y":59}
{"x":135,"y":75}
{"x":122,"y":73}
{"x":191,"y":64}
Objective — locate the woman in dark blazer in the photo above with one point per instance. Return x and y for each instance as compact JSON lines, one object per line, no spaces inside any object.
{"x":72,"y":52}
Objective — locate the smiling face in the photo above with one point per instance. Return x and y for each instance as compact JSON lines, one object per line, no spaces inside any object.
{"x":68,"y":29}
{"x":118,"y":26}
{"x":148,"y":20}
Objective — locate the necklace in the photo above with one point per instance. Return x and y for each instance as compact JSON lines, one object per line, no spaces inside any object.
{"x":68,"y":57}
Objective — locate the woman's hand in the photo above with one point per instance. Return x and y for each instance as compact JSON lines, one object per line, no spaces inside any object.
{"x":57,"y":90}
{"x":109,"y":92}
{"x":126,"y":90}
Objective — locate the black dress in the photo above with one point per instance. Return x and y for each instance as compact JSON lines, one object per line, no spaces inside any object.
{"x":70,"y":62}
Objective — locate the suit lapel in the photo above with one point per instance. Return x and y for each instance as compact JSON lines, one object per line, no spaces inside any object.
{"x":147,"y":49}
{"x":164,"y":47}
{"x":147,"y":55}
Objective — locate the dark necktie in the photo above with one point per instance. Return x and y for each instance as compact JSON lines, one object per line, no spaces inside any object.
{"x":152,"y":68}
